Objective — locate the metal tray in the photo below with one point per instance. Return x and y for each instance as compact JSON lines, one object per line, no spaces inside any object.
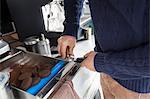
{"x":22,"y":57}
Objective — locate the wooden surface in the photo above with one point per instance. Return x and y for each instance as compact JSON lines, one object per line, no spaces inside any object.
{"x":12,"y":39}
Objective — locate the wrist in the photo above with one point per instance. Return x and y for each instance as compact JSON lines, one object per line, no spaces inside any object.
{"x":69,"y":36}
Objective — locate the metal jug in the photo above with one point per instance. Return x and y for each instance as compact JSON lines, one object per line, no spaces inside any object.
{"x":44,"y":46}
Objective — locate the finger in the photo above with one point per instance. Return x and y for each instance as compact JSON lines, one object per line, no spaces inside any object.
{"x":63,"y":50}
{"x":67,"y":52}
{"x":71,"y":50}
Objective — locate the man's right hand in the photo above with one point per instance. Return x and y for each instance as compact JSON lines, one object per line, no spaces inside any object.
{"x":66,"y":45}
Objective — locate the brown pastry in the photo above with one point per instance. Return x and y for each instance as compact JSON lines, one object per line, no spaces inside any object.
{"x":24,"y":70}
{"x":35,"y":71}
{"x":27,"y":66}
{"x":38,"y":66}
{"x":34,"y":66}
{"x":25,"y":75}
{"x":35,"y":80}
{"x":44,"y":73}
{"x":14,"y":75}
{"x":15,"y":66}
{"x":53,"y":62}
{"x":26,"y":83}
{"x":16,"y":83}
{"x":46,"y":67}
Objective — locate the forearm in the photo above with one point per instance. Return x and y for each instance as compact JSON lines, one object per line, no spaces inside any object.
{"x":134,"y":62}
{"x":73,"y":9}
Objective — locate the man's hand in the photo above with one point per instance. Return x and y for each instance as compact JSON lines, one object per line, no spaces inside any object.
{"x":65,"y":45}
{"x":89,"y":61}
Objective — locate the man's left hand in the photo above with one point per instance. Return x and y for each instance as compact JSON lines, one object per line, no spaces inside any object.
{"x":89,"y":61}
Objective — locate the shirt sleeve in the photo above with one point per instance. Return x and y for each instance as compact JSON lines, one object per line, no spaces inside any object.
{"x":133,"y":62}
{"x":73,"y":9}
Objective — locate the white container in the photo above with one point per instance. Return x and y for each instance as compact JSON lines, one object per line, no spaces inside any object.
{"x":4,"y":47}
{"x":5,"y":90}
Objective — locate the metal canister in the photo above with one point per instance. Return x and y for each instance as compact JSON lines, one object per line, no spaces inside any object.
{"x":44,"y":46}
{"x":5,"y":89}
{"x":31,"y":44}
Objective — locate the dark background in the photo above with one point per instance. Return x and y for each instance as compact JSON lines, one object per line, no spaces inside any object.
{"x":5,"y":18}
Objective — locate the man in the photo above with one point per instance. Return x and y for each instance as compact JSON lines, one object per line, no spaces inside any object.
{"x":122,"y":45}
